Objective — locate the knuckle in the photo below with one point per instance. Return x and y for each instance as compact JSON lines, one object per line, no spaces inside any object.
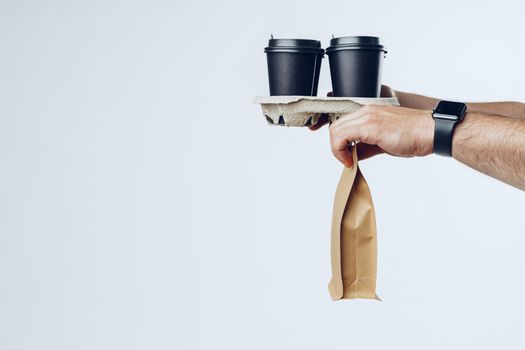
{"x":334,"y":151}
{"x":335,"y":142}
{"x":334,"y":131}
{"x":365,"y":136}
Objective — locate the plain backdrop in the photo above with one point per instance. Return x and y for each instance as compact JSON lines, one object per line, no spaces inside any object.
{"x":146,"y":204}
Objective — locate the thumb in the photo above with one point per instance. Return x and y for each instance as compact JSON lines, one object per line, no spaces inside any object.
{"x":345,"y":156}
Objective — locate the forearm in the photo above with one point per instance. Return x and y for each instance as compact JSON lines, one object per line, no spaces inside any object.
{"x":504,"y":109}
{"x":493,"y":145}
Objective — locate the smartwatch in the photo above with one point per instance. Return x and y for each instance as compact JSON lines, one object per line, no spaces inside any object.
{"x":446,"y":116}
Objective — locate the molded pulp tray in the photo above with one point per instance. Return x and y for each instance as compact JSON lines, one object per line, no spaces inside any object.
{"x":306,"y":110}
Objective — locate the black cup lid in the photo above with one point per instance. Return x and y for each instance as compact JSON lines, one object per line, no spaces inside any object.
{"x":294,"y":45}
{"x":355,"y":42}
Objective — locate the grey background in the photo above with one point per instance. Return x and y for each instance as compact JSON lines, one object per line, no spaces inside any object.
{"x":145,"y":203}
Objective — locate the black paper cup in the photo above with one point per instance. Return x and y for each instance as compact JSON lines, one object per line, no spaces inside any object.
{"x":355,"y":66}
{"x":294,"y":66}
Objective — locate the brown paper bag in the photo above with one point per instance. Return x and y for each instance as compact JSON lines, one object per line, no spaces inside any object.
{"x":354,"y":244}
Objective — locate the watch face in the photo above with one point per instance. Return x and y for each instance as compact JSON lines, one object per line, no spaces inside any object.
{"x":451,"y":108}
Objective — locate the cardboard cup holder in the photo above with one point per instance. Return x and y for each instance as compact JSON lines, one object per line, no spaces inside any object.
{"x":306,"y":111}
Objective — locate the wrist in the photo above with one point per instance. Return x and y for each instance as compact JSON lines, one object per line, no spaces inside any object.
{"x":461,"y":134}
{"x":426,"y":133}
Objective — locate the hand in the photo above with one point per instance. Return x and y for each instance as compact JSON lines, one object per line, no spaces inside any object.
{"x":398,"y":131}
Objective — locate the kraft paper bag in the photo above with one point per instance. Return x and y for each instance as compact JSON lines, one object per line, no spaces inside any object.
{"x":354,"y":241}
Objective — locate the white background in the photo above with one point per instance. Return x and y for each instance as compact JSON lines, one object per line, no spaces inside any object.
{"x":146,"y":204}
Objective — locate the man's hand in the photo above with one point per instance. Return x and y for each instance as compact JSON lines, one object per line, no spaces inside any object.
{"x":397,"y":131}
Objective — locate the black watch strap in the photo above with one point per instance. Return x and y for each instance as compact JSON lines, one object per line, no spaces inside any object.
{"x":447,"y":115}
{"x":444,"y":130}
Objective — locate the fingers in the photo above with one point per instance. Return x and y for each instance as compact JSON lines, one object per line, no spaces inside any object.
{"x":352,"y":118}
{"x":358,"y":127}
{"x":340,"y":140}
{"x":343,"y":152}
{"x":361,"y":127}
{"x":344,"y":155}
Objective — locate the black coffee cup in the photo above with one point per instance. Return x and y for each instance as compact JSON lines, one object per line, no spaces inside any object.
{"x":355,"y":66}
{"x":294,"y":66}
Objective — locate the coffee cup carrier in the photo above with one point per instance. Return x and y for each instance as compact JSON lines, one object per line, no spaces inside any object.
{"x":303,"y":111}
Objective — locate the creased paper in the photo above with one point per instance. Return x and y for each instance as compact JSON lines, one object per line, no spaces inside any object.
{"x":354,"y":238}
